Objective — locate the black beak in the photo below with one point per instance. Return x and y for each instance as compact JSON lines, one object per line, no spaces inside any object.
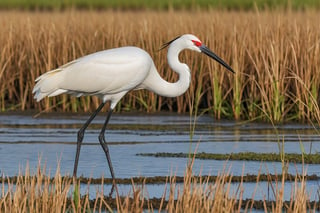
{"x":209,"y":53}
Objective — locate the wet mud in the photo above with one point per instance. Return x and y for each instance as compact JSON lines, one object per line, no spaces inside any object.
{"x":178,"y":179}
{"x":157,"y":203}
{"x":243,"y":156}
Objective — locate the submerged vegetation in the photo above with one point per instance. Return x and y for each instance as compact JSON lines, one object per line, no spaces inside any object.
{"x":276,"y":56}
{"x":245,"y":156}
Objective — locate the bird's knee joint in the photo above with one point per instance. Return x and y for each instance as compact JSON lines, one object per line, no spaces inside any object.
{"x":102,"y":138}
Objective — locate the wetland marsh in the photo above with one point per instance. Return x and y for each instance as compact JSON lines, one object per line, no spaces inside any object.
{"x":51,"y":138}
{"x":276,"y":58}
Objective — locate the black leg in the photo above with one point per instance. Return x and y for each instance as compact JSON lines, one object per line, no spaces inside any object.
{"x":106,"y":149}
{"x":81,"y":135}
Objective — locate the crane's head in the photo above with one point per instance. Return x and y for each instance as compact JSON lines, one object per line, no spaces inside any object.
{"x":191,"y":42}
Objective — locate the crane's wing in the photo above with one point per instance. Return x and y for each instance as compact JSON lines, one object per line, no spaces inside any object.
{"x":102,"y":73}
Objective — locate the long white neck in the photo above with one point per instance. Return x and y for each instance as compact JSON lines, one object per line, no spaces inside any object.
{"x":158,"y":85}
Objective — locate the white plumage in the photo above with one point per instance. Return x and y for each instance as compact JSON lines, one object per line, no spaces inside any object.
{"x":108,"y":74}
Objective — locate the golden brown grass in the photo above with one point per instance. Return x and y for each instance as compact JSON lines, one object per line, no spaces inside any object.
{"x":39,"y":193}
{"x":276,"y":56}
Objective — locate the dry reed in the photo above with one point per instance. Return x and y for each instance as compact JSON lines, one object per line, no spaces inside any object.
{"x":276,"y":56}
{"x":39,"y":193}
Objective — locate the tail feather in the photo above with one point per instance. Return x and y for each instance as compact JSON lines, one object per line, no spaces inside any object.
{"x":48,"y":84}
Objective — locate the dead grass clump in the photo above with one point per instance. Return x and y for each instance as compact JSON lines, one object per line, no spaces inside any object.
{"x":197,"y":194}
{"x":35,"y":193}
{"x":40,"y":193}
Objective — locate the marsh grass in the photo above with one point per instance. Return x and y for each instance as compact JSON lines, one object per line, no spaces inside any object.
{"x":246,"y":156}
{"x":38,"y":192}
{"x":276,"y":56}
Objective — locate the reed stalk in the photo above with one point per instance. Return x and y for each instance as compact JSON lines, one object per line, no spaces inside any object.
{"x":268,"y":50}
{"x":38,"y":192}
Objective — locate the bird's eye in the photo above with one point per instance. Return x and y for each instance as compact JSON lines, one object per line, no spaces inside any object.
{"x":197,"y":43}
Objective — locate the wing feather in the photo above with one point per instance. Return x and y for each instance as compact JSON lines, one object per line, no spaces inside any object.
{"x":107,"y":72}
{"x":102,"y":73}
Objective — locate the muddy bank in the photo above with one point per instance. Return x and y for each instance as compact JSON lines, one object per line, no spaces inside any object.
{"x":178,"y":179}
{"x":244,"y":156}
{"x":156,"y":203}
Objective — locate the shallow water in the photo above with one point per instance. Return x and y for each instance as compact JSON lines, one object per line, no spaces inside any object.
{"x":52,"y":138}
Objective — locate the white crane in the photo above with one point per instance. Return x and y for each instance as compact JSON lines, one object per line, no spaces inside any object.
{"x":110,"y":74}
